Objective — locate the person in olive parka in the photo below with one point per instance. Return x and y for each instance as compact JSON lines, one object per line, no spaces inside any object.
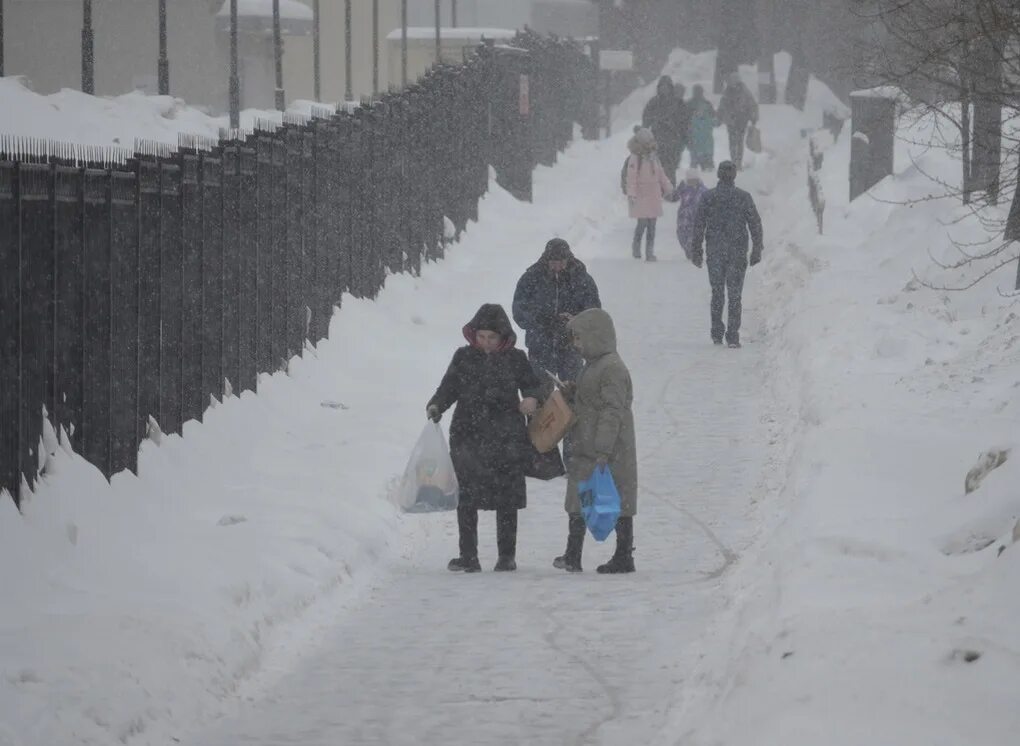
{"x":495,"y":388}
{"x":602,"y":436}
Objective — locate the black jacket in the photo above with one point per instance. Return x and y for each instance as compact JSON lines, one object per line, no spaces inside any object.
{"x":726,"y":217}
{"x":489,"y":441}
{"x":540,"y":298}
{"x":667,"y":116}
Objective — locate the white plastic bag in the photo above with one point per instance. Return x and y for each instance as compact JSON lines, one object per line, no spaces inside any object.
{"x":429,"y":482}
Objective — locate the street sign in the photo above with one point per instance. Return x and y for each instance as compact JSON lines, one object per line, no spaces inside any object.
{"x":617,"y":60}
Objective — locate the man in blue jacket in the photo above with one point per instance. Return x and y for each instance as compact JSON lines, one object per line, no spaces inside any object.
{"x":726,"y":217}
{"x":549,"y":294}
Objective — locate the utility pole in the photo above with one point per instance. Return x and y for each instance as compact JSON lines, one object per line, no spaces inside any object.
{"x":164,"y":61}
{"x":403,"y":43}
{"x":439,"y":27}
{"x":1,"y":38}
{"x":348,"y":57}
{"x":281,"y":96}
{"x":316,"y":50}
{"x":453,"y":13}
{"x":88,"y":50}
{"x":375,"y":47}
{"x":235,"y":82}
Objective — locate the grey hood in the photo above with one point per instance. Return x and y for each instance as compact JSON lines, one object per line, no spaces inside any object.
{"x":595,"y":333}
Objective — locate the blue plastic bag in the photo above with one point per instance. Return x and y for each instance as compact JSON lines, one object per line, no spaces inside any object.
{"x":600,"y":503}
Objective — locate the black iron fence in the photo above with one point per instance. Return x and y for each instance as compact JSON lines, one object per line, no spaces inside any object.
{"x":137,"y":287}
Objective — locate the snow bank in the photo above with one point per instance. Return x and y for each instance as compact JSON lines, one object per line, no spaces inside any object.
{"x":75,"y":117}
{"x":879,"y":604}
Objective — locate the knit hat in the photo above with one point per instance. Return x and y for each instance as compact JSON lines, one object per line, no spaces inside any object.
{"x":693,"y":175}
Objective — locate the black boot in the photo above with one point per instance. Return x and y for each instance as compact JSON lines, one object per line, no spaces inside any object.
{"x":464,"y":564}
{"x":623,"y":559}
{"x":571,"y":559}
{"x":506,"y":540}
{"x":467,"y":525}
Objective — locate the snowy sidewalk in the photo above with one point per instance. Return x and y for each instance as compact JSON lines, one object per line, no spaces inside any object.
{"x":539,"y":656}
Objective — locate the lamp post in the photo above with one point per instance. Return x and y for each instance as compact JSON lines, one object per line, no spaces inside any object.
{"x":453,"y":13}
{"x":164,"y":61}
{"x":316,"y":50}
{"x":375,"y":47}
{"x":235,"y":83}
{"x":281,"y":96}
{"x":439,"y":26}
{"x":88,"y":50}
{"x":1,"y":38}
{"x":403,"y":43}
{"x":348,"y":57}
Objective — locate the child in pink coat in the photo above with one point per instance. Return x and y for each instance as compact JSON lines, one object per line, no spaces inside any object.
{"x":646,"y":185}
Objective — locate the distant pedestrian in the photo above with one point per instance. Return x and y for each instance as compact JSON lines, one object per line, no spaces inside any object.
{"x":701,"y":135}
{"x":647,"y":184}
{"x":688,"y":193}
{"x":737,"y":110}
{"x":667,"y":116}
{"x":726,"y":217}
{"x":603,"y":437}
{"x":494,"y":389}
{"x":549,"y":294}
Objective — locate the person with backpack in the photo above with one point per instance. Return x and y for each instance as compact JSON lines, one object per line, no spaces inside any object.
{"x":726,"y":217}
{"x":646,"y":185}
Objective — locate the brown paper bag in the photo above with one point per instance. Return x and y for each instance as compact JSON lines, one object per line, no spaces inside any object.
{"x":551,"y":423}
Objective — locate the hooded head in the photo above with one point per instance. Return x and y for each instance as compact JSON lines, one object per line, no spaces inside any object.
{"x":643,"y":142}
{"x":665,"y":87}
{"x":693,"y":176}
{"x":594,"y":333}
{"x":557,"y":255}
{"x":491,"y":318}
{"x":733,"y":79}
{"x":698,"y":91}
{"x":727,"y":172}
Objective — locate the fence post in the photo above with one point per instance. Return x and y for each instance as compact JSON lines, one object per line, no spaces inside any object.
{"x":96,"y":422}
{"x":194,"y":403}
{"x":248,"y":247}
{"x":69,"y":302}
{"x":171,"y":338}
{"x":125,"y":225}
{"x":221,"y":271}
{"x":10,"y":336}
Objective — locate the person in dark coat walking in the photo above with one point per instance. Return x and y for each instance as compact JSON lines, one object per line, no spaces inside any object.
{"x":737,"y":110}
{"x":668,"y":117}
{"x":494,"y":388}
{"x":725,"y":218}
{"x":551,"y":292}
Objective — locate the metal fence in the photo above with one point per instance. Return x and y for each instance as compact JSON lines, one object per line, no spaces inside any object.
{"x":137,"y":287}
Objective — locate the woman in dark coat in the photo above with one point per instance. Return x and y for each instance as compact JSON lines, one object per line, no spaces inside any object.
{"x":494,"y":387}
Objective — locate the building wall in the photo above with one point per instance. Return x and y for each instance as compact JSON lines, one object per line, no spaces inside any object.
{"x":43,"y":43}
{"x":298,"y":55}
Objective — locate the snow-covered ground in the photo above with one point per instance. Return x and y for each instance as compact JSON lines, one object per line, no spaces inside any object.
{"x":810,"y":568}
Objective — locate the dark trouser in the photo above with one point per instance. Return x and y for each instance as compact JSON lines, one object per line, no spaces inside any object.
{"x":726,"y":274}
{"x":737,"y":135}
{"x":506,"y":531}
{"x":645,"y":226}
{"x":669,"y":158}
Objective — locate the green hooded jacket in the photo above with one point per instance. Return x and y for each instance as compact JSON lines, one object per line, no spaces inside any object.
{"x":603,"y":416}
